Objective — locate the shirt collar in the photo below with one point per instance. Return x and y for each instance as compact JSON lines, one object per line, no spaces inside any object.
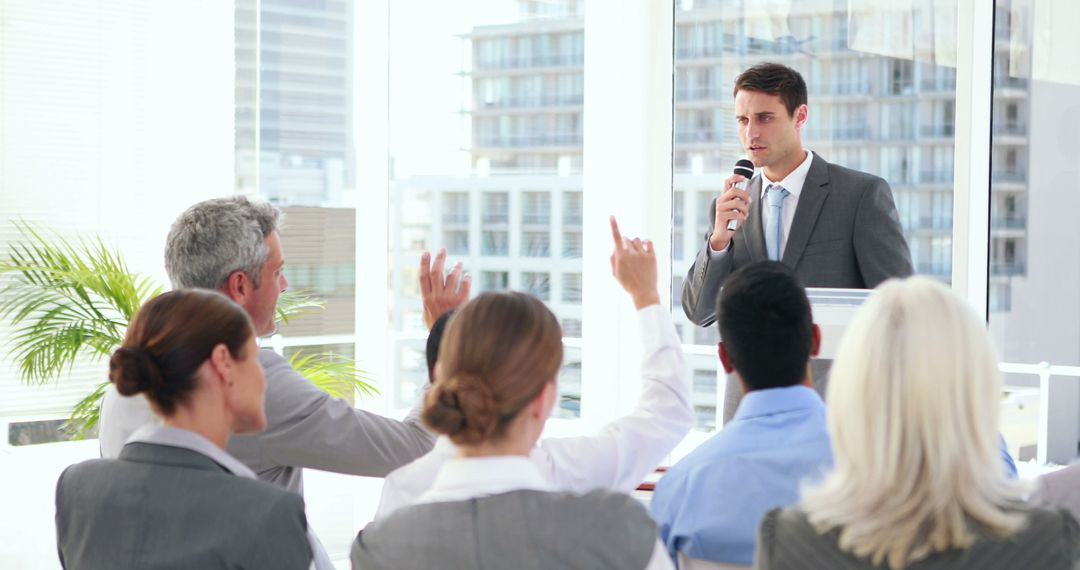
{"x":794,"y":181}
{"x":469,"y":477}
{"x":187,"y":439}
{"x":777,"y":400}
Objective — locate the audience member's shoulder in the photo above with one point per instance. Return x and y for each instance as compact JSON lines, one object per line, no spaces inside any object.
{"x":1044,"y":521}
{"x":87,"y":472}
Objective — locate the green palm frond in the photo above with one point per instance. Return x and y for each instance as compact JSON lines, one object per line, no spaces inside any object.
{"x":333,"y":374}
{"x":65,"y":299}
{"x":297,"y":303}
{"x":86,"y":414}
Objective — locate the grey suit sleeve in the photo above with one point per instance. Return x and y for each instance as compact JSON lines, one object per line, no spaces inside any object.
{"x":702,"y":286}
{"x":880,"y":248}
{"x":310,"y":428}
{"x":281,"y":540}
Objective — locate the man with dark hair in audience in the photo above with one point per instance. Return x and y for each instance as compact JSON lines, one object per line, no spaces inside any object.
{"x":708,"y":506}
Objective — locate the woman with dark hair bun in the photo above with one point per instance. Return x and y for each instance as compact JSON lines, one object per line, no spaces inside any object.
{"x":491,"y":506}
{"x":175,"y":498}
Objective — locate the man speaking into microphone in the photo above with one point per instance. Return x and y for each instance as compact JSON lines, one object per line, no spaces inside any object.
{"x":833,"y":226}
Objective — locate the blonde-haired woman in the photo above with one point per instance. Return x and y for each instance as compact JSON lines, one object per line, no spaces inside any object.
{"x":913,"y":415}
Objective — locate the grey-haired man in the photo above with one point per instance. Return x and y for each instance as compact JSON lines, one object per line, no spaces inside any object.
{"x":232,"y":245}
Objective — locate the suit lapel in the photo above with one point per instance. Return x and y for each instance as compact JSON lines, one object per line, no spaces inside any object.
{"x":815,"y":190}
{"x":753,"y":231}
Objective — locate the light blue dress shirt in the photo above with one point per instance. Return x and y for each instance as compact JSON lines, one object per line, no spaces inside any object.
{"x":710,"y":504}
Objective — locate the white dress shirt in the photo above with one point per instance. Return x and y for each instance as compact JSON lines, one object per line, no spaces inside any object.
{"x":793,"y":183}
{"x":460,"y":479}
{"x":618,"y":457}
{"x":186,"y":439}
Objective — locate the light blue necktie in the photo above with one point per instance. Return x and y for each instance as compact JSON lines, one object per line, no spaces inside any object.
{"x":775,"y":194}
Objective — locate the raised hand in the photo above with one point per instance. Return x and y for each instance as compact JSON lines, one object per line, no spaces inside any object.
{"x":633,"y":263}
{"x":441,"y":292}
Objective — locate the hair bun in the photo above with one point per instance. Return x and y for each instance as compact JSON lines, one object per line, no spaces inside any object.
{"x":462,"y":407}
{"x":133,"y":370}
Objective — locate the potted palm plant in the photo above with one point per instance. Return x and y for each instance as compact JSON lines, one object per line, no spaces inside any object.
{"x":69,"y":299}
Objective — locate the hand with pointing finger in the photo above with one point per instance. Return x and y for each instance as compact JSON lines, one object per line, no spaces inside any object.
{"x":633,"y":263}
{"x":439,"y":291}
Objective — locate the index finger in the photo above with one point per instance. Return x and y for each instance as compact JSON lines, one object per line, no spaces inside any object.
{"x":615,"y":233}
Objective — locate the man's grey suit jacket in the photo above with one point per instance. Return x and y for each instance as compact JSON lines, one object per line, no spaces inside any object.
{"x":845,"y":233}
{"x":159,"y":507}
{"x":306,"y":427}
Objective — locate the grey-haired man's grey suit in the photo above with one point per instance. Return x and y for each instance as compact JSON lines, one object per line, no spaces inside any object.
{"x":845,"y":233}
{"x":161,"y":507}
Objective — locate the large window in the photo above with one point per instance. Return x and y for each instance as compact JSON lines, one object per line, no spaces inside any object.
{"x":497,"y":94}
{"x":878,"y":102}
{"x":1034,"y":272}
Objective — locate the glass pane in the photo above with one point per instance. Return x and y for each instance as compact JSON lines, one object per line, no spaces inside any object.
{"x":881,"y":86}
{"x":486,"y":154}
{"x":1034,"y":262}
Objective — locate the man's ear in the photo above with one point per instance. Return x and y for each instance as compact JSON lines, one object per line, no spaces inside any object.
{"x":238,"y":287}
{"x":802,"y":113}
{"x":815,"y":341}
{"x":725,"y":360}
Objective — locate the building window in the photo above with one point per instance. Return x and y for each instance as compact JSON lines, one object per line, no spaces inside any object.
{"x":494,"y":280}
{"x":535,"y":209}
{"x":496,"y":208}
{"x":572,"y":244}
{"x":538,"y":284}
{"x":455,"y":208}
{"x":496,"y":243}
{"x":536,"y":244}
{"x":571,"y":287}
{"x":456,"y":242}
{"x":571,"y":328}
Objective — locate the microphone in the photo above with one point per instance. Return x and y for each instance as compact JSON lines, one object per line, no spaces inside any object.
{"x":746,"y":168}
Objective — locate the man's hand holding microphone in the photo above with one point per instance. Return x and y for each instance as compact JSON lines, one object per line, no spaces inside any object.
{"x":732,"y":207}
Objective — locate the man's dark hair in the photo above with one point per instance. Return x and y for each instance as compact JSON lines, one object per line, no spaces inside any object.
{"x":434,"y":339}
{"x":766,"y":325}
{"x":774,"y":79}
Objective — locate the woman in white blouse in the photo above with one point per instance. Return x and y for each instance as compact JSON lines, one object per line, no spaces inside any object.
{"x":621,"y":454}
{"x":491,"y":506}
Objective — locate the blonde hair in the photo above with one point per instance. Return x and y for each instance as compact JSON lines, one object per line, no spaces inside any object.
{"x":913,"y":403}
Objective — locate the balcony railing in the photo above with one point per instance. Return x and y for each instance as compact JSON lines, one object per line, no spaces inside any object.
{"x":1007,"y":268}
{"x":695,"y":135}
{"x":544,"y":139}
{"x":933,"y":269}
{"x":532,"y":101}
{"x":936,"y":176}
{"x":931,"y":223}
{"x":558,"y":60}
{"x":1008,"y":222}
{"x":937,"y":131}
{"x":1011,"y":129}
{"x":455,"y":218}
{"x":696,"y":94}
{"x":853,"y":132}
{"x":1009,"y":176}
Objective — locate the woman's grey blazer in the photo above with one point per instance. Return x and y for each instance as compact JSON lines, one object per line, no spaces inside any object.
{"x":1049,"y":541}
{"x":159,"y":507}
